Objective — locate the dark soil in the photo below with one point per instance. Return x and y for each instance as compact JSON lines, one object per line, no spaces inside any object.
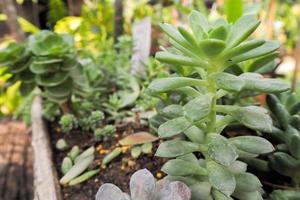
{"x":117,"y":172}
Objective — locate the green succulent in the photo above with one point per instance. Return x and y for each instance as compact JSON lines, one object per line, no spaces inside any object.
{"x":17,"y":58}
{"x":92,"y":121}
{"x":68,"y":122}
{"x":285,"y":135}
{"x":106,"y":131}
{"x":205,"y":54}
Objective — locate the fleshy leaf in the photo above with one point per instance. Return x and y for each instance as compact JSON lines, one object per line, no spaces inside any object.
{"x":175,"y":148}
{"x":220,"y":150}
{"x":221,"y":178}
{"x":247,"y":182}
{"x":252,"y":144}
{"x":109,"y":191}
{"x":138,"y":138}
{"x":173,"y":127}
{"x":198,"y":108}
{"x":142,"y":185}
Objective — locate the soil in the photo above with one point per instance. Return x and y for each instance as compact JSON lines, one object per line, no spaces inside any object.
{"x":117,"y":172}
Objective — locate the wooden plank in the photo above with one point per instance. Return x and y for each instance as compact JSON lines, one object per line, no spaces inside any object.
{"x":46,"y":184}
{"x":142,"y":45}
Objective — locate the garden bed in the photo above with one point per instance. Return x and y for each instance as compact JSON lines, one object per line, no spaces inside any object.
{"x":118,"y":171}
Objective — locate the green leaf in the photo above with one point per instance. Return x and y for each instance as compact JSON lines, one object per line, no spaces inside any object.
{"x":62,"y":90}
{"x":212,"y":47}
{"x":219,"y":33}
{"x":136,"y":151}
{"x":248,"y":195}
{"x":198,"y":108}
{"x":173,"y":127}
{"x":238,"y":167}
{"x":233,"y":9}
{"x":260,"y":62}
{"x":294,"y":145}
{"x":195,"y":134}
{"x":173,"y":111}
{"x":242,"y":48}
{"x":176,"y":59}
{"x":221,"y":178}
{"x":228,"y":81}
{"x":169,"y":84}
{"x":221,"y":150}
{"x":256,"y":82}
{"x":252,"y":144}
{"x":219,"y":195}
{"x":188,"y":36}
{"x":178,"y":167}
{"x":266,"y":48}
{"x":247,"y":182}
{"x":51,"y":79}
{"x":253,"y":117}
{"x":242,"y":29}
{"x":175,"y":148}
{"x":198,"y":19}
{"x":285,"y":164}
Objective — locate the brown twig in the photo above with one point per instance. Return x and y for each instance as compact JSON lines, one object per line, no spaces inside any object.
{"x":279,"y":186}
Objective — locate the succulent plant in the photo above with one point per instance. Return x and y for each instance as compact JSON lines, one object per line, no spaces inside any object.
{"x":61,"y":144}
{"x":285,"y":135}
{"x":92,"y":121}
{"x":47,"y":60}
{"x":17,"y":59}
{"x":105,"y":132}
{"x":68,"y":122}
{"x":144,"y":187}
{"x":204,"y":55}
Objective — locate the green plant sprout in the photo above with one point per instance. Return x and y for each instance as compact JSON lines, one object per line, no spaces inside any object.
{"x":208,"y":51}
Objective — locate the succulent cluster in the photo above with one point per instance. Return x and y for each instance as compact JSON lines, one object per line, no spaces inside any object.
{"x":49,"y":61}
{"x":144,"y":187}
{"x":105,"y":132}
{"x":197,"y":123}
{"x":92,"y":121}
{"x":68,"y":122}
{"x":285,"y":136}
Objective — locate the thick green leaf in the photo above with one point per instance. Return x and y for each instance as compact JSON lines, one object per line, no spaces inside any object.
{"x":195,"y":134}
{"x":285,"y":164}
{"x":212,"y":47}
{"x":201,"y":191}
{"x":252,"y":144}
{"x":51,"y":79}
{"x":173,"y":127}
{"x":294,"y":145}
{"x":259,"y":63}
{"x":248,"y":195}
{"x":233,"y":9}
{"x":247,"y":182}
{"x":266,"y":48}
{"x":242,"y":48}
{"x":44,"y":68}
{"x":198,"y":22}
{"x":256,"y":82}
{"x":169,"y":84}
{"x":178,"y":167}
{"x":198,"y":108}
{"x":187,"y":35}
{"x":242,"y":29}
{"x":221,"y":178}
{"x":175,"y":148}
{"x":176,"y":59}
{"x":55,"y":99}
{"x":221,"y":150}
{"x":219,"y":195}
{"x":238,"y":167}
{"x":219,"y":33}
{"x":173,"y":111}
{"x":253,"y":117}
{"x":62,"y":90}
{"x":228,"y":81}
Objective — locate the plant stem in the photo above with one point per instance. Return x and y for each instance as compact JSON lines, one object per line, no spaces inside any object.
{"x":211,"y":128}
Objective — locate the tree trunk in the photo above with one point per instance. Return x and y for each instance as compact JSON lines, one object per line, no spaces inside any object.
{"x":271,"y":18}
{"x":118,"y":19}
{"x":71,"y":7}
{"x":9,"y":10}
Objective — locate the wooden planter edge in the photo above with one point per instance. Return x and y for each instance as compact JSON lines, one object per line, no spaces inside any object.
{"x":46,"y":184}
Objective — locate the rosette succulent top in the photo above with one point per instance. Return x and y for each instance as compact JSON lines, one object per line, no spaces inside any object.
{"x":206,"y":51}
{"x":47,"y":60}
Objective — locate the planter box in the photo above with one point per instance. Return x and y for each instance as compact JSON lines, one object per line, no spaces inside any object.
{"x":46,"y":184}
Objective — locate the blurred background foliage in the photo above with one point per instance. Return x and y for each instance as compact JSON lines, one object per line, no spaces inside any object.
{"x":107,"y":60}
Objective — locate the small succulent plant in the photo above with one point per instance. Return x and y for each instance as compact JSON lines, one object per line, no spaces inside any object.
{"x":92,"y":121}
{"x":68,"y":122}
{"x":105,"y":132}
{"x":285,"y":135}
{"x":144,"y":187}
